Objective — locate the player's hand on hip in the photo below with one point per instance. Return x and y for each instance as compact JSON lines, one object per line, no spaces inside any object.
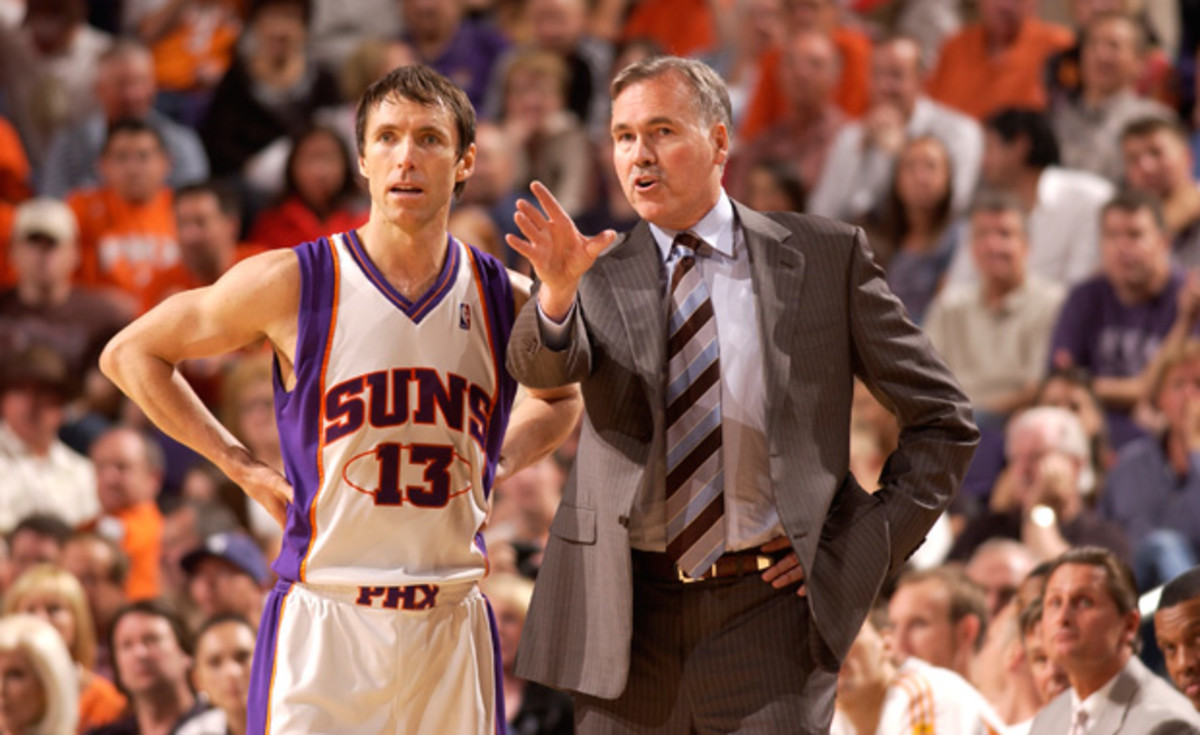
{"x":265,"y":486}
{"x":558,"y":252}
{"x":785,"y":571}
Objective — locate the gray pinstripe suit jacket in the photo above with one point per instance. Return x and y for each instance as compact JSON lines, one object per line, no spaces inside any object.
{"x":826,"y":315}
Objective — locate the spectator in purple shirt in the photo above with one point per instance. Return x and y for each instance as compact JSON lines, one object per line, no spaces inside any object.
{"x":1114,"y":324}
{"x":463,"y":50}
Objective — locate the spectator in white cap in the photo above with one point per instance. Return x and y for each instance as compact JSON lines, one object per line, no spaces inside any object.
{"x":227,"y":574}
{"x":44,"y":307}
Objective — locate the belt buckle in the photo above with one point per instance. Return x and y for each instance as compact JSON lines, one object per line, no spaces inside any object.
{"x":685,"y":579}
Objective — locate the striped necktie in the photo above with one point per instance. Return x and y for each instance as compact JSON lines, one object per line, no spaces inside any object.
{"x":695,"y":479}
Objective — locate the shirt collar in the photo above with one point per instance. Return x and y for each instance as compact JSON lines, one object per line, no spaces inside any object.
{"x":714,"y":228}
{"x":1096,"y":702}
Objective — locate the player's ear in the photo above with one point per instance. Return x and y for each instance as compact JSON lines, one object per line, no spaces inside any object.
{"x":720,"y":136}
{"x":466,"y":164}
{"x":362,"y":166}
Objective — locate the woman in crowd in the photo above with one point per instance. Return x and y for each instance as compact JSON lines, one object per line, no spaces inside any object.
{"x":221,"y":674}
{"x":914,"y":236}
{"x":39,"y":690}
{"x":320,"y":194}
{"x":53,"y":594}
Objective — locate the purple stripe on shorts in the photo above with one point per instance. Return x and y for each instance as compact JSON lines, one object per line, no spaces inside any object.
{"x":262,"y":669}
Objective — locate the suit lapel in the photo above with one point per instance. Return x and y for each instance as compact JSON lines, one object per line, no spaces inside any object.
{"x":1120,"y":697}
{"x":632,"y":278}
{"x":777,"y":270}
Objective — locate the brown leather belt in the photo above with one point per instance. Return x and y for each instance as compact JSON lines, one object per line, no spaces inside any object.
{"x":658,"y":566}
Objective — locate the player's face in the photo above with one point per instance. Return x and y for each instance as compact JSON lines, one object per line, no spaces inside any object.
{"x":668,"y":160}
{"x":921,"y":626}
{"x":1082,"y":627}
{"x":223,"y":656}
{"x":22,"y":697}
{"x":147,"y":654}
{"x":1178,"y":631}
{"x":410,"y":160}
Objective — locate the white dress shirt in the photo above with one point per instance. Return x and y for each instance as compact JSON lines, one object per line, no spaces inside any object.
{"x":1094,"y":705}
{"x":751,"y":518}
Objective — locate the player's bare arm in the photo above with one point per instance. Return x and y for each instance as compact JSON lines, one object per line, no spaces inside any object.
{"x":542,"y":419}
{"x":256,"y":299}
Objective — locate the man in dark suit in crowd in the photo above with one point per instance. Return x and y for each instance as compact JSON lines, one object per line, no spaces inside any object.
{"x":713,"y":558}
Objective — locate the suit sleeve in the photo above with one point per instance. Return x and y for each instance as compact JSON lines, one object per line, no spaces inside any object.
{"x":901,"y":368}
{"x":537,"y":365}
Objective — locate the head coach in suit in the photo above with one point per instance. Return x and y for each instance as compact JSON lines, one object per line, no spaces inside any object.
{"x":713,"y":558}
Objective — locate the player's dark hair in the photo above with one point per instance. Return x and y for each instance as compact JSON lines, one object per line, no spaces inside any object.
{"x":1012,"y":123}
{"x":1118,"y":577}
{"x":424,"y":86}
{"x":1181,"y":589}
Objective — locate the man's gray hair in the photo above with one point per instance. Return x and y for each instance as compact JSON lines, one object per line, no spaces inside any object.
{"x":1064,"y":432}
{"x":710,"y":96}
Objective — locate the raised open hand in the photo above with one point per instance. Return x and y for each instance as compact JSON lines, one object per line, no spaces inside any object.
{"x":558,"y":252}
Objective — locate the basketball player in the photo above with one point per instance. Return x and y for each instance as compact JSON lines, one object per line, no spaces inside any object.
{"x":391,"y":399}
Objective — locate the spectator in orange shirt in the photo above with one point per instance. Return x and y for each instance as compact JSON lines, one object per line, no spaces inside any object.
{"x":129,"y":472}
{"x":320,"y":195}
{"x":127,"y":226}
{"x":14,"y":189}
{"x":208,"y":219}
{"x":851,"y":93}
{"x":998,"y":62}
{"x":804,"y":135}
{"x":192,"y":42}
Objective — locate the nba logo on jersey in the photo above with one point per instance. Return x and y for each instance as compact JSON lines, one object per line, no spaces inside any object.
{"x":464,"y":316}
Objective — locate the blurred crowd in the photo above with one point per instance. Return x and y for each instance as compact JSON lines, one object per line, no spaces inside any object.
{"x":1028,"y":175}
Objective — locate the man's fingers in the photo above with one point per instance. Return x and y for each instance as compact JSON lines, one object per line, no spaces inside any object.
{"x":599,"y":243}
{"x":521,"y":245}
{"x":529,"y":229}
{"x":554,"y":210}
{"x":784,"y":572}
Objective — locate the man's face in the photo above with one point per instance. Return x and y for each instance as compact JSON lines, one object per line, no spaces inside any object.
{"x":1002,"y":161}
{"x":494,"y":167}
{"x":123,"y":473}
{"x":921,"y":625}
{"x":125,"y":86}
{"x":896,"y":74}
{"x":1180,"y":387}
{"x":1178,"y":631}
{"x":207,"y":236}
{"x":1134,"y":252}
{"x":999,"y":574}
{"x":1159,"y":163}
{"x":999,"y":247}
{"x":1049,"y":679}
{"x":557,"y":25}
{"x":1109,"y":58}
{"x":810,"y":71}
{"x":1083,"y":629}
{"x":669,"y":160}
{"x":223,"y":657}
{"x":146,"y":654}
{"x":34,"y":412}
{"x":28,"y":548}
{"x":91,"y":561}
{"x":427,"y":20}
{"x":43,"y":262}
{"x":411,"y":163}
{"x":135,"y":166}
{"x":279,"y":31}
{"x":1003,"y":18}
{"x":216,"y":586}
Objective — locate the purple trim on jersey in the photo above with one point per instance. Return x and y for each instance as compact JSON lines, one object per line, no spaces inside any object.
{"x":498,"y":664}
{"x":414,"y":310}
{"x":262,"y":669}
{"x":501,"y":314}
{"x":298,"y":412}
